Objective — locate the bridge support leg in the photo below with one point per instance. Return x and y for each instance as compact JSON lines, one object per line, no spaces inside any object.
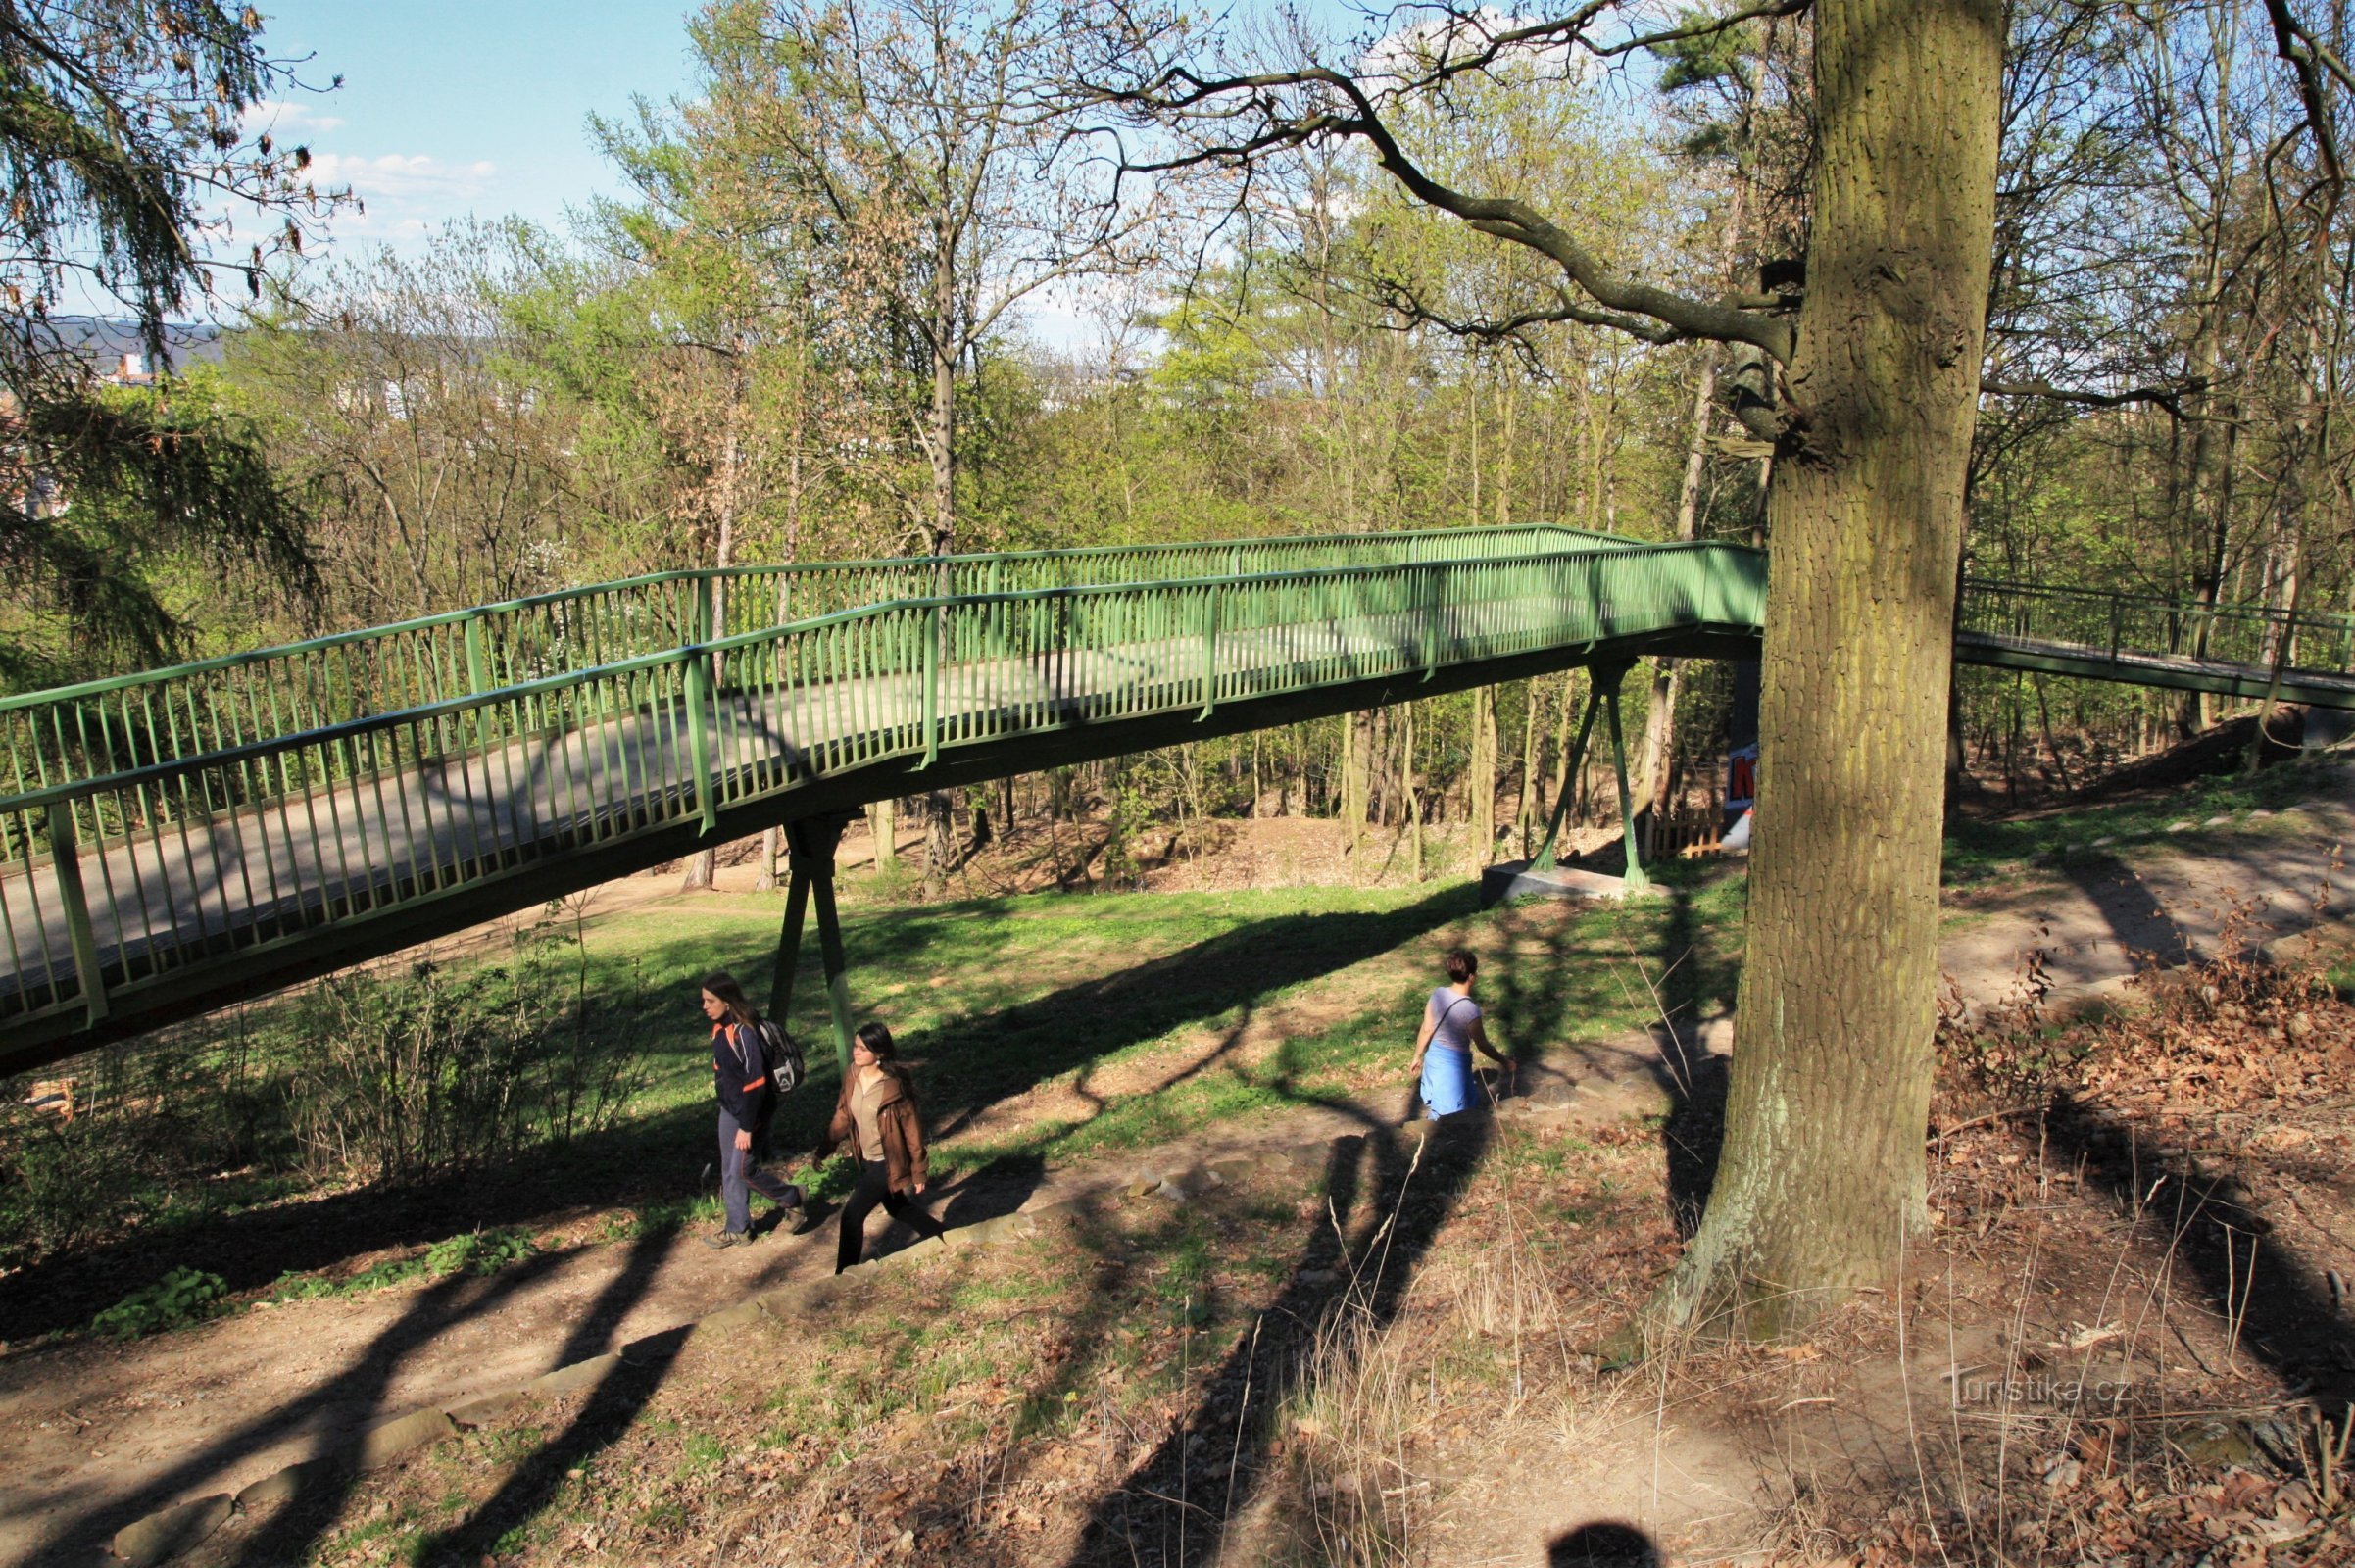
{"x":1545,"y":861}
{"x":1627,"y":805}
{"x":810,"y":844}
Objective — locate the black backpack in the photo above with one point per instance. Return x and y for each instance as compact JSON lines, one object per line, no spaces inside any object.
{"x":783,"y":1053}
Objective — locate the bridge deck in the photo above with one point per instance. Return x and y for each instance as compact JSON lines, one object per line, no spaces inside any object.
{"x":178,"y":840}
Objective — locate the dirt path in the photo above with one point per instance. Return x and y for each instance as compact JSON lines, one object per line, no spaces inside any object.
{"x":93,"y":1435}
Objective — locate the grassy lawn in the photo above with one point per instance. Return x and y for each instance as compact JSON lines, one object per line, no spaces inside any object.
{"x":1978,"y":848}
{"x":1042,"y":1029}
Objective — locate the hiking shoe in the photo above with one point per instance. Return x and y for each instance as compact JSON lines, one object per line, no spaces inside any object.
{"x":728,"y":1239}
{"x":807,"y":1220}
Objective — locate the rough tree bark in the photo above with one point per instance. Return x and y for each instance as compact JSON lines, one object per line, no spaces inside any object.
{"x":1483,"y":781}
{"x":1820,"y":1181}
{"x":1525,"y":805}
{"x":1355,"y":740}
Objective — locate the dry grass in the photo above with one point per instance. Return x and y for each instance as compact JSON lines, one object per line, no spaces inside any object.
{"x":2081,"y":1364}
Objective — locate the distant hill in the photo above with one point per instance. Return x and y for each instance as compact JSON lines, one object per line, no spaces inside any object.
{"x":117,"y":352}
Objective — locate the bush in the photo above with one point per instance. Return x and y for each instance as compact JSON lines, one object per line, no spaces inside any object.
{"x":180,"y":1298}
{"x":425,"y":1071}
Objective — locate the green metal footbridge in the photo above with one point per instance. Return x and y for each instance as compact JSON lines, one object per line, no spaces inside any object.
{"x":175,"y":841}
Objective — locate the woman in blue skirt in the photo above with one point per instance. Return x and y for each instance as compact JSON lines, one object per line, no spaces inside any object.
{"x":1451,"y":1027}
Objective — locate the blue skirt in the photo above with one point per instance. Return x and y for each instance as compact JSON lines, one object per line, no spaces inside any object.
{"x":1447,"y":1080}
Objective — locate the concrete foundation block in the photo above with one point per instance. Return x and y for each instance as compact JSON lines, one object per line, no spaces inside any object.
{"x":484,"y":1408}
{"x":161,"y":1536}
{"x":381,"y":1445}
{"x":579,"y":1375}
{"x":1516,"y":879}
{"x":284,"y":1486}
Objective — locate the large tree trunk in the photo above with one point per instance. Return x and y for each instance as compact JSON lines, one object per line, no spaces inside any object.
{"x":1821,"y":1182}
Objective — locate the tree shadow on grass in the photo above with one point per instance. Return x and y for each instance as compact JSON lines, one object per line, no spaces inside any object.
{"x":605,"y":1411}
{"x":965,"y":1066}
{"x":1389,"y":1194}
{"x":2286,"y":1314}
{"x":337,"y":1411}
{"x":644,"y":1162}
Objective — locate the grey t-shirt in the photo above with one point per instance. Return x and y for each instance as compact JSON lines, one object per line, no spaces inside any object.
{"x":1457,"y":1015}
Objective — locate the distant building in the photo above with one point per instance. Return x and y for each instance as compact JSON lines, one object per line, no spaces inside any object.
{"x":117,"y":352}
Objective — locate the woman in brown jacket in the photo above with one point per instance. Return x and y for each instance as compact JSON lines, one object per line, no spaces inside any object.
{"x":878,"y":1117}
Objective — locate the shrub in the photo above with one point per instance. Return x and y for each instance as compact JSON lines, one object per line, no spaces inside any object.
{"x":396,"y":1077}
{"x":180,"y":1298}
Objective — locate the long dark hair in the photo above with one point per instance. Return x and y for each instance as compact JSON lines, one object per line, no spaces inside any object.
{"x":724,"y":986}
{"x":878,"y":1041}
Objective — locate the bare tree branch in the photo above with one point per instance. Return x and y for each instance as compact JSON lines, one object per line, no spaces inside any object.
{"x":2169,"y":398}
{"x":1178,"y":94}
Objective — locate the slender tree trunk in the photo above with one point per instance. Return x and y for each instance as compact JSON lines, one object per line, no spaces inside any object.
{"x":1563,"y":783}
{"x":883,"y":828}
{"x":1356,"y":743}
{"x":1821,"y":1183}
{"x":1525,"y":808}
{"x":772,"y":841}
{"x":1483,"y":782}
{"x":940,"y":841}
{"x":1408,"y":800}
{"x":1660,"y":748}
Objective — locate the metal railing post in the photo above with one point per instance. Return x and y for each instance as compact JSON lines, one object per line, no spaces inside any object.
{"x":700,"y":697}
{"x":1428,"y":577}
{"x":478,"y":664}
{"x":1210,"y":678}
{"x":932,"y":685}
{"x":66,"y":861}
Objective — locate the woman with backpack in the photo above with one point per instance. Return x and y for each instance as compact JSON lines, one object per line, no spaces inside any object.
{"x":876,"y":1116}
{"x":741,"y":1073}
{"x":1451,"y":1027}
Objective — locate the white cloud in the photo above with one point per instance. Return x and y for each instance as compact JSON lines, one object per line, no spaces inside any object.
{"x":287,"y":120}
{"x":404,"y":177}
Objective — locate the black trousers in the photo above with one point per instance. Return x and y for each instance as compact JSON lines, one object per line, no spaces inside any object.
{"x":874,"y":1187}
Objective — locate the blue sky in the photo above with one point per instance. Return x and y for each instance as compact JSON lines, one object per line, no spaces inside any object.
{"x":452,"y":108}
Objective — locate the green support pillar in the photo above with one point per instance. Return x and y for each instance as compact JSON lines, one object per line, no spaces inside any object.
{"x":1545,"y":861}
{"x":1636,"y":879}
{"x":810,"y":843}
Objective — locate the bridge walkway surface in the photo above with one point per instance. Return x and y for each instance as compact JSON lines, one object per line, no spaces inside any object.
{"x":178,"y":840}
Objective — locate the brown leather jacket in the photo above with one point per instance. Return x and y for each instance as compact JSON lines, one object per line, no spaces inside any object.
{"x":896,"y":1118}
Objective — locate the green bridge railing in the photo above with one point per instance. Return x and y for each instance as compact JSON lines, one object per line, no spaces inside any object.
{"x":105,"y":727}
{"x":2124,"y":626}
{"x":158,"y":823}
{"x":271,"y":813}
